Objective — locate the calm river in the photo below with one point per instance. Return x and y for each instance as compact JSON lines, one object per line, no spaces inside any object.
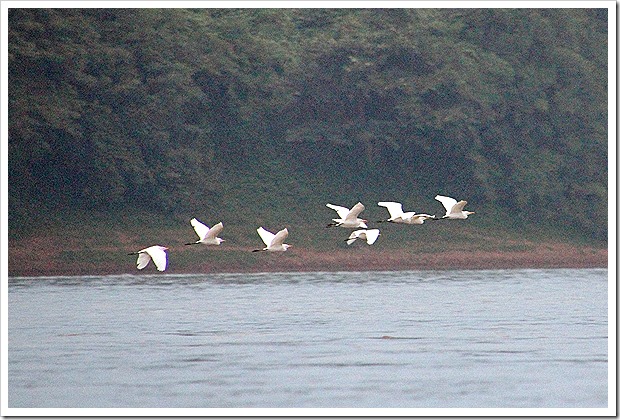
{"x":502,"y":338}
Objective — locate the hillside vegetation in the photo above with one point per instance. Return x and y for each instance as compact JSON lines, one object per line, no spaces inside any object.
{"x":261,"y":116}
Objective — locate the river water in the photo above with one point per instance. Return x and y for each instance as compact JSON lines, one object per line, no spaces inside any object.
{"x":501,"y":338}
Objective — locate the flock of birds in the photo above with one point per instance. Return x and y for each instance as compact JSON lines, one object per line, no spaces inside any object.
{"x":347,"y":218}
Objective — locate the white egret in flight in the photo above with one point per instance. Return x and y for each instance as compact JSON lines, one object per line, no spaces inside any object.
{"x":348,"y":218}
{"x":273,"y":242}
{"x":397,"y":215}
{"x":206,"y":236}
{"x":156,"y":252}
{"x":454,"y":209}
{"x":370,"y":236}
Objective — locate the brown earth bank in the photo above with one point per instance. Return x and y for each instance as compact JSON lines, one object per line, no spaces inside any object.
{"x":41,"y":257}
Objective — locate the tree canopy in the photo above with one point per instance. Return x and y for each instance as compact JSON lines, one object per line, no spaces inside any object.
{"x":154,"y":108}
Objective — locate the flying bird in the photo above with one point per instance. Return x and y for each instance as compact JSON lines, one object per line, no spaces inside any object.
{"x":273,"y":242}
{"x":397,"y":215}
{"x":454,"y":209}
{"x":206,"y":236}
{"x":370,"y":236}
{"x":348,"y":218}
{"x":156,"y":253}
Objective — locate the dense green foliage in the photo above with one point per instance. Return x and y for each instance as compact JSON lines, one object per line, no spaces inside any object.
{"x":184,"y":111}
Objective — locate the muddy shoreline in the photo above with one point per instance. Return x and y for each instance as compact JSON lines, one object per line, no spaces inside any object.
{"x":22,"y":262}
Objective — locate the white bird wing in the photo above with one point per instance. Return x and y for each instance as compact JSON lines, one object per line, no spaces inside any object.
{"x":458,"y":207}
{"x":159,"y":257}
{"x":371,"y":236}
{"x":215,"y":230}
{"x":143,"y":260}
{"x":408,"y":215}
{"x":279,"y":238}
{"x":201,"y":229}
{"x":395,"y":209}
{"x":342,"y":211}
{"x":422,"y":216}
{"x":265,"y":235}
{"x":354,"y":235}
{"x":354,"y":212}
{"x":447,"y":202}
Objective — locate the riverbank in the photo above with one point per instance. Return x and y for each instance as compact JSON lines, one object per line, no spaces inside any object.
{"x":99,"y":245}
{"x":68,"y":260}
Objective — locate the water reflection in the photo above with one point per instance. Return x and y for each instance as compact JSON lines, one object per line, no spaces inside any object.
{"x":314,"y":277}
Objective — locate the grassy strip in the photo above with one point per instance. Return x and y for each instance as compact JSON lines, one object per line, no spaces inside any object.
{"x":98,"y":244}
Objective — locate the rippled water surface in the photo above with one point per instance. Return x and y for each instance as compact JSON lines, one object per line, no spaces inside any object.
{"x":514,"y":338}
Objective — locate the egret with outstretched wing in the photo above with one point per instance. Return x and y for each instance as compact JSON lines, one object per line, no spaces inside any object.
{"x":156,"y":253}
{"x":206,"y":236}
{"x":370,"y":236}
{"x":397,"y":216}
{"x":273,"y":242}
{"x":348,"y":218}
{"x":454,"y":209}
